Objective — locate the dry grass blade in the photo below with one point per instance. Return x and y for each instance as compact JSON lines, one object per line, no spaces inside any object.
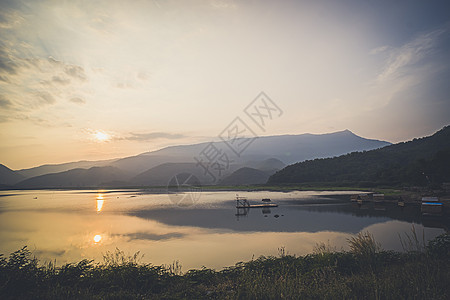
{"x":363,"y":244}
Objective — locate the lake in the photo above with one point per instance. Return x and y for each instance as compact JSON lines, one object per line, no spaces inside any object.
{"x":207,"y":230}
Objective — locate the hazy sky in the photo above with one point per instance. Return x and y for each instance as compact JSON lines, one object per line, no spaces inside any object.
{"x":104,"y":79}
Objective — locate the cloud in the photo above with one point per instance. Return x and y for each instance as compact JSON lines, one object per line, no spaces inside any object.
{"x":9,"y":17}
{"x":44,"y":98}
{"x":409,"y":54}
{"x":77,"y":100}
{"x":153,"y":136}
{"x":4,"y":119}
{"x":153,"y":236}
{"x":60,"y":80}
{"x":142,"y":75}
{"x":49,"y":253}
{"x":32,"y":83}
{"x":56,"y":80}
{"x":122,"y":85}
{"x":4,"y":103}
{"x":379,"y":50}
{"x":411,"y":91}
{"x":38,"y":121}
{"x":7,"y":65}
{"x":223,"y":4}
{"x":14,"y":68}
{"x":76,"y":72}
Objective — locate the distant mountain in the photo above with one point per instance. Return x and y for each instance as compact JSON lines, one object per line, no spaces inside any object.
{"x":245,"y":176}
{"x":76,"y":178}
{"x":294,"y":148}
{"x":143,"y":162}
{"x":8,"y":176}
{"x":270,"y":164}
{"x":55,"y":168}
{"x":286,"y":148}
{"x":267,"y":153}
{"x":417,"y":162}
{"x":161,"y":174}
{"x":254,"y":172}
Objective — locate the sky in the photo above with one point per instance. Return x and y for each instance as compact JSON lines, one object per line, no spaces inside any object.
{"x":90,"y":80}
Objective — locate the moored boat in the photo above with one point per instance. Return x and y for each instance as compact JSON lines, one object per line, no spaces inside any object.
{"x":431,"y":206}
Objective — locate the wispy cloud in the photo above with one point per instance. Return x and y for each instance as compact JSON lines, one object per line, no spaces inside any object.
{"x":32,"y":83}
{"x":7,"y":64}
{"x":76,"y":72}
{"x":138,"y":137}
{"x":409,"y":54}
{"x":223,"y":4}
{"x":153,"y":136}
{"x":77,"y":100}
{"x":379,"y":50}
{"x":43,"y":98}
{"x":47,"y":123}
{"x":9,"y":17}
{"x":5,"y":103}
{"x":57,"y":80}
{"x":153,"y":236}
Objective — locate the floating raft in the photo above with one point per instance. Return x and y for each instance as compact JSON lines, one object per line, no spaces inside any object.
{"x":242,"y":202}
{"x":257,"y":205}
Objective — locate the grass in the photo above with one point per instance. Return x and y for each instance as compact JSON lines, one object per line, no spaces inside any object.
{"x":363,"y":272}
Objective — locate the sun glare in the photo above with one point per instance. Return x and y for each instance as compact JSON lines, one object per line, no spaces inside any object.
{"x":101,"y":136}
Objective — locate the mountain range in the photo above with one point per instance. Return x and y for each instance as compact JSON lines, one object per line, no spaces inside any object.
{"x":261,"y":159}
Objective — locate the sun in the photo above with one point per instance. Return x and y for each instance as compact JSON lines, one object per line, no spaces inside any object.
{"x":101,"y":136}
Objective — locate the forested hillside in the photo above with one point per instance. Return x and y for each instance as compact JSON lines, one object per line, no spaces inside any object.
{"x":420,"y":162}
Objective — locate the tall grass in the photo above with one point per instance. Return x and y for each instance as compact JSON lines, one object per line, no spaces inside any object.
{"x":364,"y":272}
{"x":364,"y":244}
{"x":410,"y":241}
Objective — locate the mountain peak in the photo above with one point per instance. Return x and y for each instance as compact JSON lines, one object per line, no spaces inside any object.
{"x":346,"y":131}
{"x":8,"y":176}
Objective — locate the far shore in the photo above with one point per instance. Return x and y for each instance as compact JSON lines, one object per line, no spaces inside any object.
{"x":391,"y":193}
{"x":250,"y":188}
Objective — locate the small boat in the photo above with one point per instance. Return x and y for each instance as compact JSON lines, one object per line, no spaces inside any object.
{"x":431,"y":206}
{"x":378,"y":198}
{"x":242,"y":202}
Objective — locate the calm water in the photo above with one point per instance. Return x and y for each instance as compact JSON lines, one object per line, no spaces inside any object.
{"x":71,"y":225}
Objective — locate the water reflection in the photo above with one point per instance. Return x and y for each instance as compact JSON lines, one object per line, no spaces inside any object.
{"x":97,"y":238}
{"x":100,"y":202}
{"x":207,"y":234}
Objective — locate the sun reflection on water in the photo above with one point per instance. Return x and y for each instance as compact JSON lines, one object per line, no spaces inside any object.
{"x":100,"y":202}
{"x":97,"y":238}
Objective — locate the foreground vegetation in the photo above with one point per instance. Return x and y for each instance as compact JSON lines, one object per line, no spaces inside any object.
{"x":364,"y":272}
